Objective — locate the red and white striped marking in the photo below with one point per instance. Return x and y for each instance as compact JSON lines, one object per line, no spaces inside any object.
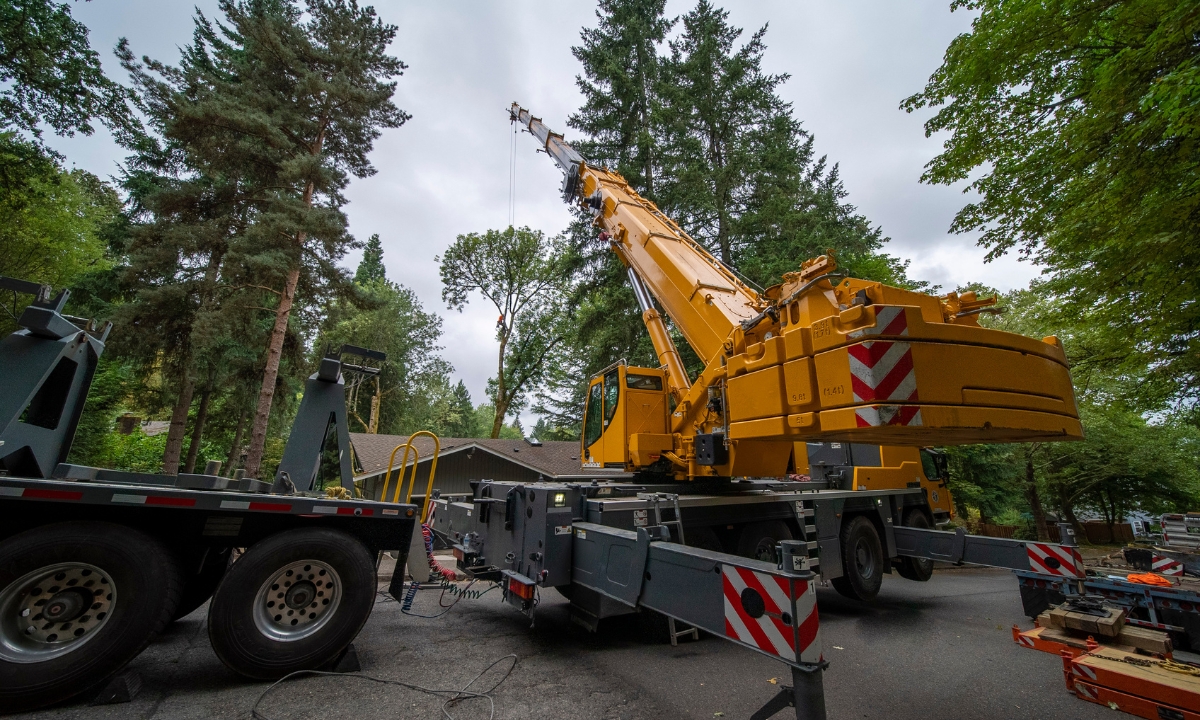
{"x":877,"y":415}
{"x":889,"y":320}
{"x":1056,"y":560}
{"x":1083,"y":671}
{"x":768,"y":632}
{"x":1166,"y":566}
{"x":882,"y":370}
{"x":1086,"y":691}
{"x":1026,"y":641}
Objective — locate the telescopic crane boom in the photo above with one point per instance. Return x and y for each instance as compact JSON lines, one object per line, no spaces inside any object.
{"x":818,"y":357}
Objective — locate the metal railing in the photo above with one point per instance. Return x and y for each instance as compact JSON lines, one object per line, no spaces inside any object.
{"x":409,"y":447}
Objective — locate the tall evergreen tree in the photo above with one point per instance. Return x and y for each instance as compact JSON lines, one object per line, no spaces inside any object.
{"x":370,"y":268}
{"x":621,"y":70}
{"x":291,"y":103}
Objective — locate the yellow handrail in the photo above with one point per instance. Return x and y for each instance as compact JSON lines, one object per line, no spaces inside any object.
{"x":408,"y":446}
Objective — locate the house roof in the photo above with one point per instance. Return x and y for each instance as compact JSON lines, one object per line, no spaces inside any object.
{"x":553,"y":458}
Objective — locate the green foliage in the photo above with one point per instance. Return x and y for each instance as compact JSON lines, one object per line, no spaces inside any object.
{"x":520,"y":272}
{"x":370,"y":269}
{"x":52,"y":221}
{"x":51,"y":75}
{"x":1076,"y":122}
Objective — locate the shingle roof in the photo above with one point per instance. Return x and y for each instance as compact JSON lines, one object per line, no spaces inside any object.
{"x":553,"y":458}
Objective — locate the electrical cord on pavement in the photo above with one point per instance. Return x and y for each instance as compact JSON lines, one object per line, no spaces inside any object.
{"x":454,"y":696}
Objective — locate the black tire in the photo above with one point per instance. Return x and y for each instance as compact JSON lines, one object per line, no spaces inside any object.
{"x":704,"y":538}
{"x":144,"y":582}
{"x":862,"y":560}
{"x":758,"y":540}
{"x":918,"y":569}
{"x":303,"y":627}
{"x":200,"y":585}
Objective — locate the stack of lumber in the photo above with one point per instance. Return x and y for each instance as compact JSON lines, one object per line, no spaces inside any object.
{"x":1073,"y":628}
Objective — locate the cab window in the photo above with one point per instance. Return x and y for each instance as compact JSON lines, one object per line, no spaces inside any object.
{"x":612,"y":393}
{"x":929,"y":463}
{"x":643,"y":382}
{"x":592,"y":426}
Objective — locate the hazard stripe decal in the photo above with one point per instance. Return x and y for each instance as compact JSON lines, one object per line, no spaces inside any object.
{"x":770,"y":595}
{"x":889,"y":320}
{"x":1056,"y":560}
{"x":1166,"y":566}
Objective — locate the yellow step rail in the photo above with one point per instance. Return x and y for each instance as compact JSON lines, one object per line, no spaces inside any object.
{"x":408,"y":446}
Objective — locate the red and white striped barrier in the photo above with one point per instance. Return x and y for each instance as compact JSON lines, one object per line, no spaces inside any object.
{"x":759,"y":613}
{"x":1166,"y":566}
{"x":1055,"y":560}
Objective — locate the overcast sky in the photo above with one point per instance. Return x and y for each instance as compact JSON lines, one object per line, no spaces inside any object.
{"x":446,"y":171}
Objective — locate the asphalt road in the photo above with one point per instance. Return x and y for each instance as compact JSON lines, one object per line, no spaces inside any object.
{"x":940,"y":649}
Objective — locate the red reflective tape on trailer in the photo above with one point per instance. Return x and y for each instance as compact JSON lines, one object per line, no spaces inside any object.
{"x":271,"y":507}
{"x":44,"y":494}
{"x":170,"y":501}
{"x":1056,"y":560}
{"x":352,"y":511}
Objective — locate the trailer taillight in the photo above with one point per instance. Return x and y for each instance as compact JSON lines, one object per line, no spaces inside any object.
{"x":520,"y":589}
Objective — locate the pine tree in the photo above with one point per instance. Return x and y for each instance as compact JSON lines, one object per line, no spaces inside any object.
{"x":290,"y":104}
{"x":619,"y":84}
{"x":370,"y":268}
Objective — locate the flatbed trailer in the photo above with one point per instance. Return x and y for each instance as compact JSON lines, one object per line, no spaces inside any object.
{"x":94,"y":562}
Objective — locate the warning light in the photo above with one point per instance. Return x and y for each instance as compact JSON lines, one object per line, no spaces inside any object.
{"x":520,"y":589}
{"x":560,"y":499}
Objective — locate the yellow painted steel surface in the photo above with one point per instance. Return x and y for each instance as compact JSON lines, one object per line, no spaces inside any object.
{"x":818,"y":357}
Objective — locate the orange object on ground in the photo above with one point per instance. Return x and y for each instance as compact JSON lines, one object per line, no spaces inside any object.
{"x":1132,"y":704}
{"x":1148,"y":579}
{"x":1141,"y":678}
{"x":1033,"y":640}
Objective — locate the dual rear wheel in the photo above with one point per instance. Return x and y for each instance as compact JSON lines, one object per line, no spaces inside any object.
{"x":79,"y":600}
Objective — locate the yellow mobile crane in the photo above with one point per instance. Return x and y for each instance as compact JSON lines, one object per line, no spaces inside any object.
{"x":817,"y":358}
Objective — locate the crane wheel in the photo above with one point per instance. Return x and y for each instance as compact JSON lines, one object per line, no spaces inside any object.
{"x":862,"y":560}
{"x":78,"y":600}
{"x":293,"y":601}
{"x":758,"y":540}
{"x":919,"y":569}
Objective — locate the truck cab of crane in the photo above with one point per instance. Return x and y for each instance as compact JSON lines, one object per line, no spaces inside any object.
{"x":860,"y":466}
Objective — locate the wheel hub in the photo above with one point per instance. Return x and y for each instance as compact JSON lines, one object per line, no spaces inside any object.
{"x":297,"y":600}
{"x":53,"y":610}
{"x":864,"y":560}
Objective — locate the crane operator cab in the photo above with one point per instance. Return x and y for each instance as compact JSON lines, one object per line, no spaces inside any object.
{"x":625,"y":423}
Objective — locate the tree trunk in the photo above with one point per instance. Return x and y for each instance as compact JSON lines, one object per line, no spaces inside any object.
{"x":501,"y":398}
{"x":266,"y":395}
{"x":198,"y":428}
{"x":235,"y":450}
{"x":1035,"y":500}
{"x":178,"y":424}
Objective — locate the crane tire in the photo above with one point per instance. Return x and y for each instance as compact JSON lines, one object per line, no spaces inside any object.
{"x":919,"y":569}
{"x":862,"y":560}
{"x":111,"y":589}
{"x":293,"y":601}
{"x":758,"y":539}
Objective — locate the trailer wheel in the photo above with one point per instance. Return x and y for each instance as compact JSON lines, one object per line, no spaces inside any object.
{"x":919,"y":569}
{"x":862,"y":560}
{"x":78,"y":600}
{"x":200,"y":586}
{"x":292,"y":602}
{"x":758,"y":540}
